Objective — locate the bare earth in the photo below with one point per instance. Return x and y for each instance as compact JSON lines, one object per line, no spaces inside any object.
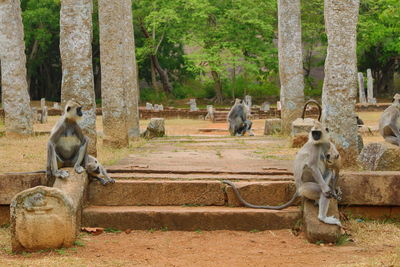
{"x":375,"y":244}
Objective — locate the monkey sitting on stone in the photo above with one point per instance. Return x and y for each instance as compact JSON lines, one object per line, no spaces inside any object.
{"x":316,"y":169}
{"x":67,"y":147}
{"x":389,"y":122}
{"x":238,"y":120}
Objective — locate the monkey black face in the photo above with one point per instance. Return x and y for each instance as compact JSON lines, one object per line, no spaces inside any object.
{"x":79,"y":111}
{"x":316,"y":135}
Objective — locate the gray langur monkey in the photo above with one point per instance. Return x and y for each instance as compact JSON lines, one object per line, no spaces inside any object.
{"x":67,"y":146}
{"x":389,"y":122}
{"x":96,"y":170}
{"x":238,"y":120}
{"x":316,"y":170}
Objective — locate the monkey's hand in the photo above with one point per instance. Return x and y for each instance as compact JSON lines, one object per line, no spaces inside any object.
{"x":61,"y":174}
{"x":79,"y":169}
{"x":338,"y":194}
{"x":328,"y":193}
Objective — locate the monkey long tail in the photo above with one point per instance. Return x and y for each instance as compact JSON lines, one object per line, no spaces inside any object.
{"x":247,"y":204}
{"x":12,"y":173}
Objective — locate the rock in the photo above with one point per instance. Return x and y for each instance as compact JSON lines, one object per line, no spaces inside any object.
{"x":15,"y":96}
{"x":265,"y":106}
{"x":315,"y":230}
{"x":193,"y":105}
{"x":118,"y":73}
{"x":210,"y":113}
{"x":149,"y":106}
{"x":247,"y":100}
{"x":272,"y":126}
{"x":76,"y":58}
{"x":12,"y":184}
{"x":302,"y":126}
{"x":380,"y":157}
{"x":48,"y":217}
{"x":340,"y":82}
{"x":370,"y":188}
{"x":156,"y":128}
{"x":290,"y":62}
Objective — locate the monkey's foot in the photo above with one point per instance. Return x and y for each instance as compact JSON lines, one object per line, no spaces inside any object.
{"x":79,"y":169}
{"x":61,"y":174}
{"x":330,"y":220}
{"x":338,"y":194}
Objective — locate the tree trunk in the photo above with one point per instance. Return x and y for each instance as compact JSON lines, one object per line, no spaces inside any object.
{"x":163,"y":75}
{"x":290,"y":62}
{"x":218,"y":87}
{"x":154,"y":61}
{"x":340,"y":83}
{"x":154,"y":82}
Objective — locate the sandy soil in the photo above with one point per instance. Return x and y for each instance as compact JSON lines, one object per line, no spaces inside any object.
{"x":217,"y":248}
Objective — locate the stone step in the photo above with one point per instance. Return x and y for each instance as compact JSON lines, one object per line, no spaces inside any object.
{"x":195,"y":192}
{"x":188,"y":218}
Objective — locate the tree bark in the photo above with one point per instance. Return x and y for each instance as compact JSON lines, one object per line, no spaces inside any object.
{"x":290,"y":62}
{"x":166,"y":84}
{"x":218,"y":87}
{"x":340,"y":83}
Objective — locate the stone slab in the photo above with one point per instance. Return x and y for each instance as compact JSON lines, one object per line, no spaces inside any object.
{"x":4,"y":214}
{"x":157,"y":193}
{"x":189,"y":218}
{"x":272,"y":126}
{"x":370,"y":188}
{"x":380,"y":157}
{"x":261,"y":193}
{"x":11,"y":184}
{"x":372,"y":212}
{"x":314,"y":229}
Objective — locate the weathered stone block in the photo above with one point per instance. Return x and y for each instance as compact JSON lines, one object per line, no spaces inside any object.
{"x":42,"y":217}
{"x":370,"y":188}
{"x":380,"y":157}
{"x":48,"y":217}
{"x":261,"y":193}
{"x":314,"y":229}
{"x":156,"y":128}
{"x":272,"y":126}
{"x":302,"y":126}
{"x":12,"y":184}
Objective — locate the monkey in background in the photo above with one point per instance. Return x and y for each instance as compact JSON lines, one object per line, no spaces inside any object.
{"x":389,"y":122}
{"x":238,"y":120}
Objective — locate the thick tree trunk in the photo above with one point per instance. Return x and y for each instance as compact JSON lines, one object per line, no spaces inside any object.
{"x":15,"y":96}
{"x":218,"y":87}
{"x":154,"y":82}
{"x":290,"y":62}
{"x":76,"y":58}
{"x":340,"y":83}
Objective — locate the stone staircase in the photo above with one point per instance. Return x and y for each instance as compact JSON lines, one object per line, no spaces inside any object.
{"x":162,"y":199}
{"x":220,"y":116}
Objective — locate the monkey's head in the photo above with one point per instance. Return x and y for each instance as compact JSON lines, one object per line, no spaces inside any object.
{"x":332,"y":157}
{"x":319,"y":134}
{"x":93,"y":168}
{"x":396,"y":100}
{"x":73,"y":111}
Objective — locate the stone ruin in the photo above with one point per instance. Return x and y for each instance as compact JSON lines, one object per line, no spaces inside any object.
{"x":156,"y":128}
{"x":210,"y":113}
{"x":193,"y":105}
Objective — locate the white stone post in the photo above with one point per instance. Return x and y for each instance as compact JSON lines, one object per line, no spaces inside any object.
{"x":76,"y":57}
{"x":340,"y":83}
{"x":370,"y":87}
{"x":361,"y":89}
{"x":290,"y":62}
{"x":15,"y":96}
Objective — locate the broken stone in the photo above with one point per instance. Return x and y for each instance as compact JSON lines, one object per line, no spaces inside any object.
{"x":265,"y":107}
{"x":380,"y":157}
{"x":48,"y":217}
{"x":156,"y":128}
{"x":272,"y":126}
{"x":156,"y":108}
{"x":370,"y":87}
{"x":193,"y":105}
{"x":210,"y":113}
{"x":149,"y":106}
{"x":247,"y":100}
{"x":302,"y":126}
{"x":361,"y":89}
{"x":315,"y":230}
